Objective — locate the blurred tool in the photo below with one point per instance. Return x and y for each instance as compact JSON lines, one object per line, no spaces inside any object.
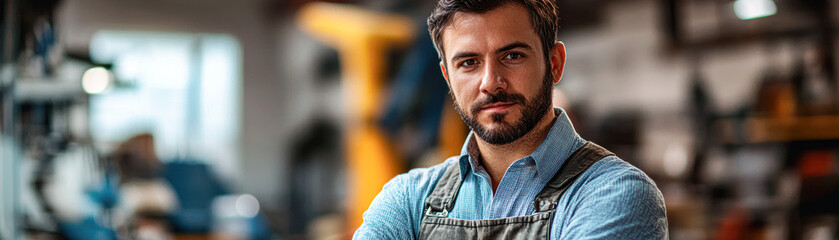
{"x":703,"y":113}
{"x":362,"y":39}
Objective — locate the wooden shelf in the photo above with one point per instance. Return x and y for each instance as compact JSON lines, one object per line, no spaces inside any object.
{"x":784,"y":129}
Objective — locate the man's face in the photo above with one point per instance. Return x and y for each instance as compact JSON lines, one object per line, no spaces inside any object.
{"x":496,"y":70}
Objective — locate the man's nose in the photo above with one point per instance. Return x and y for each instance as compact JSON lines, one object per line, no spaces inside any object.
{"x":493,"y":80}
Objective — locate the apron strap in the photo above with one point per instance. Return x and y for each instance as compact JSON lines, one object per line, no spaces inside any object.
{"x":574,"y":166}
{"x":441,"y":201}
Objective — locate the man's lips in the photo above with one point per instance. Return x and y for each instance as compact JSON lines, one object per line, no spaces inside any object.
{"x":497,"y":106}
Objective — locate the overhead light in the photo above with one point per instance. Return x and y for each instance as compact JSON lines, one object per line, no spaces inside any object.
{"x":751,"y":9}
{"x":96,"y":80}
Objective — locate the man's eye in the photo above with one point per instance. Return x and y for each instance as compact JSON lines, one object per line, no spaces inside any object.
{"x":513,"y":56}
{"x":468,"y":62}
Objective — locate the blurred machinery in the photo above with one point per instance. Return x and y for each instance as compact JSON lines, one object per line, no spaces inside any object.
{"x":363,"y":40}
{"x":42,"y":101}
{"x":55,"y":184}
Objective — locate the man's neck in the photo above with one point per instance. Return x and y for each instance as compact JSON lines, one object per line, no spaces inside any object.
{"x":497,"y":158}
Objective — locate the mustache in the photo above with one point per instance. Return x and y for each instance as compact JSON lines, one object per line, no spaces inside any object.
{"x":495,"y":98}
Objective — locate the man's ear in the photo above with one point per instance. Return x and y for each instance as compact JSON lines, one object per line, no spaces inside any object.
{"x":445,"y":74}
{"x":557,"y":61}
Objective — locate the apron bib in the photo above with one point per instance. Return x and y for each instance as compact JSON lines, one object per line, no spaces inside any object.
{"x":437,"y":225}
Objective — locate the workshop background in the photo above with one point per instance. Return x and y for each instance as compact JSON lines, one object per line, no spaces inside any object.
{"x":281,"y":119}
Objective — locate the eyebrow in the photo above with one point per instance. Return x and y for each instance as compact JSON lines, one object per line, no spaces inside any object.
{"x":463,"y":55}
{"x":507,"y":47}
{"x":512,"y":46}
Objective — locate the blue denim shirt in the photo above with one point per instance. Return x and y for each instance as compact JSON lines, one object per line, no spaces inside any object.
{"x":611,"y":200}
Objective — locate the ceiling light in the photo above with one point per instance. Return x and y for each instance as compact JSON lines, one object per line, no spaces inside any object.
{"x":751,"y":9}
{"x":96,"y":80}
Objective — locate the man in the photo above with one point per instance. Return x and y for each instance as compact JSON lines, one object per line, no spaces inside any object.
{"x":524,"y":173}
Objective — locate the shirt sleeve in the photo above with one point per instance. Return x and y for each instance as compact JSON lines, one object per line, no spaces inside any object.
{"x":389,"y":215}
{"x":621,"y":203}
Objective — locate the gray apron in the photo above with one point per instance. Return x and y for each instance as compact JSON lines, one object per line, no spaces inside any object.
{"x":437,"y":225}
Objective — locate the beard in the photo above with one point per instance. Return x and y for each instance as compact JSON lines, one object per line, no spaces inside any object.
{"x":532,"y":112}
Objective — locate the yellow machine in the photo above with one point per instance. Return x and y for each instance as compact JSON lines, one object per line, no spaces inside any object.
{"x":362,"y":39}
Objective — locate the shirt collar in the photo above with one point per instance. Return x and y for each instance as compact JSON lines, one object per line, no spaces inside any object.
{"x":562,"y":140}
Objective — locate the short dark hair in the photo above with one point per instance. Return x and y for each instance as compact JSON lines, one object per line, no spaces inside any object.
{"x":543,"y":18}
